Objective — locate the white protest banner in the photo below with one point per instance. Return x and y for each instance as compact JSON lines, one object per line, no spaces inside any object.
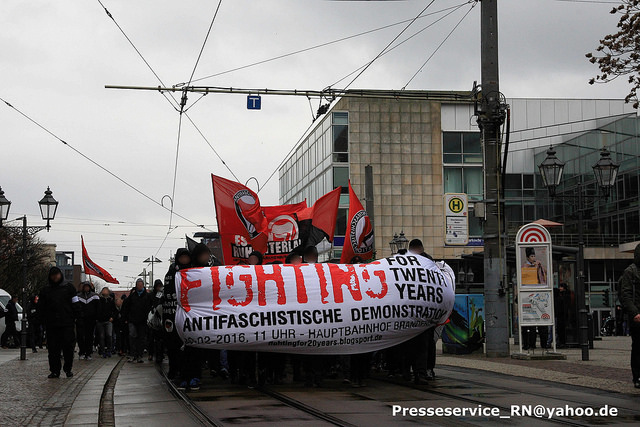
{"x":313,"y":308}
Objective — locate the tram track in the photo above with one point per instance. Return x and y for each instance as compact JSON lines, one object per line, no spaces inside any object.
{"x":206,"y":419}
{"x":301,"y":406}
{"x":428,"y":388}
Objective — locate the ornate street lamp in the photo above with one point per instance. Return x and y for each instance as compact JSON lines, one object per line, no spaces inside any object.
{"x":606,"y":172}
{"x":402,"y":242}
{"x":551,"y":171}
{"x":48,"y":207}
{"x":4,"y":207}
{"x":393,"y":244}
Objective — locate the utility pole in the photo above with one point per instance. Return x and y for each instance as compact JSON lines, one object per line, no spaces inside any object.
{"x":491,"y":115}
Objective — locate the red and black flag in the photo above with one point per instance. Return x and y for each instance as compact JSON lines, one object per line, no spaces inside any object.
{"x":241,"y":221}
{"x":359,"y":240}
{"x":319,"y":221}
{"x":93,"y":269}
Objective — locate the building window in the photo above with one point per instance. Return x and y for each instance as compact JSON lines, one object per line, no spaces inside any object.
{"x":341,"y":222}
{"x":340,"y":137}
{"x":467,"y":180}
{"x":461,"y":147}
{"x":341,"y":178}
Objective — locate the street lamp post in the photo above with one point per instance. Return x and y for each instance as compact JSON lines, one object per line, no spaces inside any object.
{"x":152,"y":260}
{"x":393,"y":244}
{"x":606,"y":172}
{"x":48,"y":208}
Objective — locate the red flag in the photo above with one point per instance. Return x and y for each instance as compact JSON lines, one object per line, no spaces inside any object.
{"x":359,"y":239}
{"x":323,"y":215}
{"x":93,"y":269}
{"x":241,"y":221}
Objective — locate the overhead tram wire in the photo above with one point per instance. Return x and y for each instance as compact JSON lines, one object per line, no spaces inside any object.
{"x":175,"y":104}
{"x":440,"y":45}
{"x":389,"y":45}
{"x":454,"y":9}
{"x":362,"y":69}
{"x":183,"y":103}
{"x":285,"y":55}
{"x":146,"y":196}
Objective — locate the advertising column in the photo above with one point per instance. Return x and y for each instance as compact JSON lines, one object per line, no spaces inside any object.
{"x":535,"y":279}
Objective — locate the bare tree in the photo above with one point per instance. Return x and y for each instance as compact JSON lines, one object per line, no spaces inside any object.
{"x":11,"y":262}
{"x":619,"y":54}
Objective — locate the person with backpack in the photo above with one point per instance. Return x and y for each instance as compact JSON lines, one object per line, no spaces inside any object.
{"x":630,"y":298}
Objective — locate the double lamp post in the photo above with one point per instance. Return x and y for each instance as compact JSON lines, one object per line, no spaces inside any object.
{"x":48,"y":207}
{"x":606,"y":172}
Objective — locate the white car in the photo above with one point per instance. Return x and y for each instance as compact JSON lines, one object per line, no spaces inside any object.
{"x":5,"y":297}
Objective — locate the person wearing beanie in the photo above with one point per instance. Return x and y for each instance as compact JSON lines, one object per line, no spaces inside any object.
{"x":136,"y":309}
{"x":59,"y":306}
{"x":86,"y":325}
{"x":182,"y":260}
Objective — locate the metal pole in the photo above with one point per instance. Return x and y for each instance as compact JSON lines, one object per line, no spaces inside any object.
{"x":23,"y":322}
{"x":490,"y":118}
{"x":151,"y":281}
{"x":583,"y":326}
{"x":368,"y":193}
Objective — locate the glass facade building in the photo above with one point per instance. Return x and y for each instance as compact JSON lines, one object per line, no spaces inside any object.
{"x":420,"y":149}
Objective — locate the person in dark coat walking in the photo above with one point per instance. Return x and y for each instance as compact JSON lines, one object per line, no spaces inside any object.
{"x":10,"y":320}
{"x":169,"y":303}
{"x":86,"y":324}
{"x":33,"y":320}
{"x":104,"y":322}
{"x":630,"y":299}
{"x":136,"y":309}
{"x":58,"y":306}
{"x":155,"y":344}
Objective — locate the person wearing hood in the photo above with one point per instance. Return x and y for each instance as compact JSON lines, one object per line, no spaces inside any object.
{"x":58,"y":306}
{"x":86,"y":324}
{"x":630,"y":299}
{"x":136,"y":309}
{"x":104,"y":325}
{"x":191,"y":370}
{"x":155,"y":343}
{"x":182,"y":260}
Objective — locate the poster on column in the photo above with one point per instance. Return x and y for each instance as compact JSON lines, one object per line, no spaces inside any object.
{"x":537,"y":308}
{"x":313,"y":308}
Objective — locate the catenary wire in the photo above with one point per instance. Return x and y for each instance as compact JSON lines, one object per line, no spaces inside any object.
{"x":137,"y":190}
{"x":440,"y":45}
{"x":453,"y":10}
{"x":175,"y":102}
{"x":285,"y":55}
{"x":388,"y":45}
{"x":205,"y":42}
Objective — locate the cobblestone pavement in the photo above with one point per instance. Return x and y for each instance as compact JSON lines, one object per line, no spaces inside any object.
{"x":608,"y":367}
{"x":28,"y":397}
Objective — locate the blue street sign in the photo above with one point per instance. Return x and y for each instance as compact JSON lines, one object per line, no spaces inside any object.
{"x":254,"y":102}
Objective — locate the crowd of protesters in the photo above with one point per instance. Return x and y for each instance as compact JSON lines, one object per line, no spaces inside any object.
{"x":144,"y":322}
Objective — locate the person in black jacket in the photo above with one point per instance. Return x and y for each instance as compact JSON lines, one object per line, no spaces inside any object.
{"x":10,"y":320}
{"x":33,"y":320}
{"x":104,"y":322}
{"x":155,"y":344}
{"x":58,"y":306}
{"x":169,"y":303}
{"x":86,"y":324}
{"x":136,"y":309}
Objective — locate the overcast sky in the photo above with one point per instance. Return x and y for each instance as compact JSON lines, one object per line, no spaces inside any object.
{"x":57,"y":57}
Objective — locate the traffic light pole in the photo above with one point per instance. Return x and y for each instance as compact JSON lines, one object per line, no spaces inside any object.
{"x":491,"y":115}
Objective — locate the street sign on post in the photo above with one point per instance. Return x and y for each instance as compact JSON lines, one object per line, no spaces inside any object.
{"x":535,"y":278}
{"x":456,"y":215}
{"x":254,"y":102}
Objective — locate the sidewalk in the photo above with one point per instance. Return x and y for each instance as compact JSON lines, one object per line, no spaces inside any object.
{"x":140,"y":396}
{"x":608,"y":367}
